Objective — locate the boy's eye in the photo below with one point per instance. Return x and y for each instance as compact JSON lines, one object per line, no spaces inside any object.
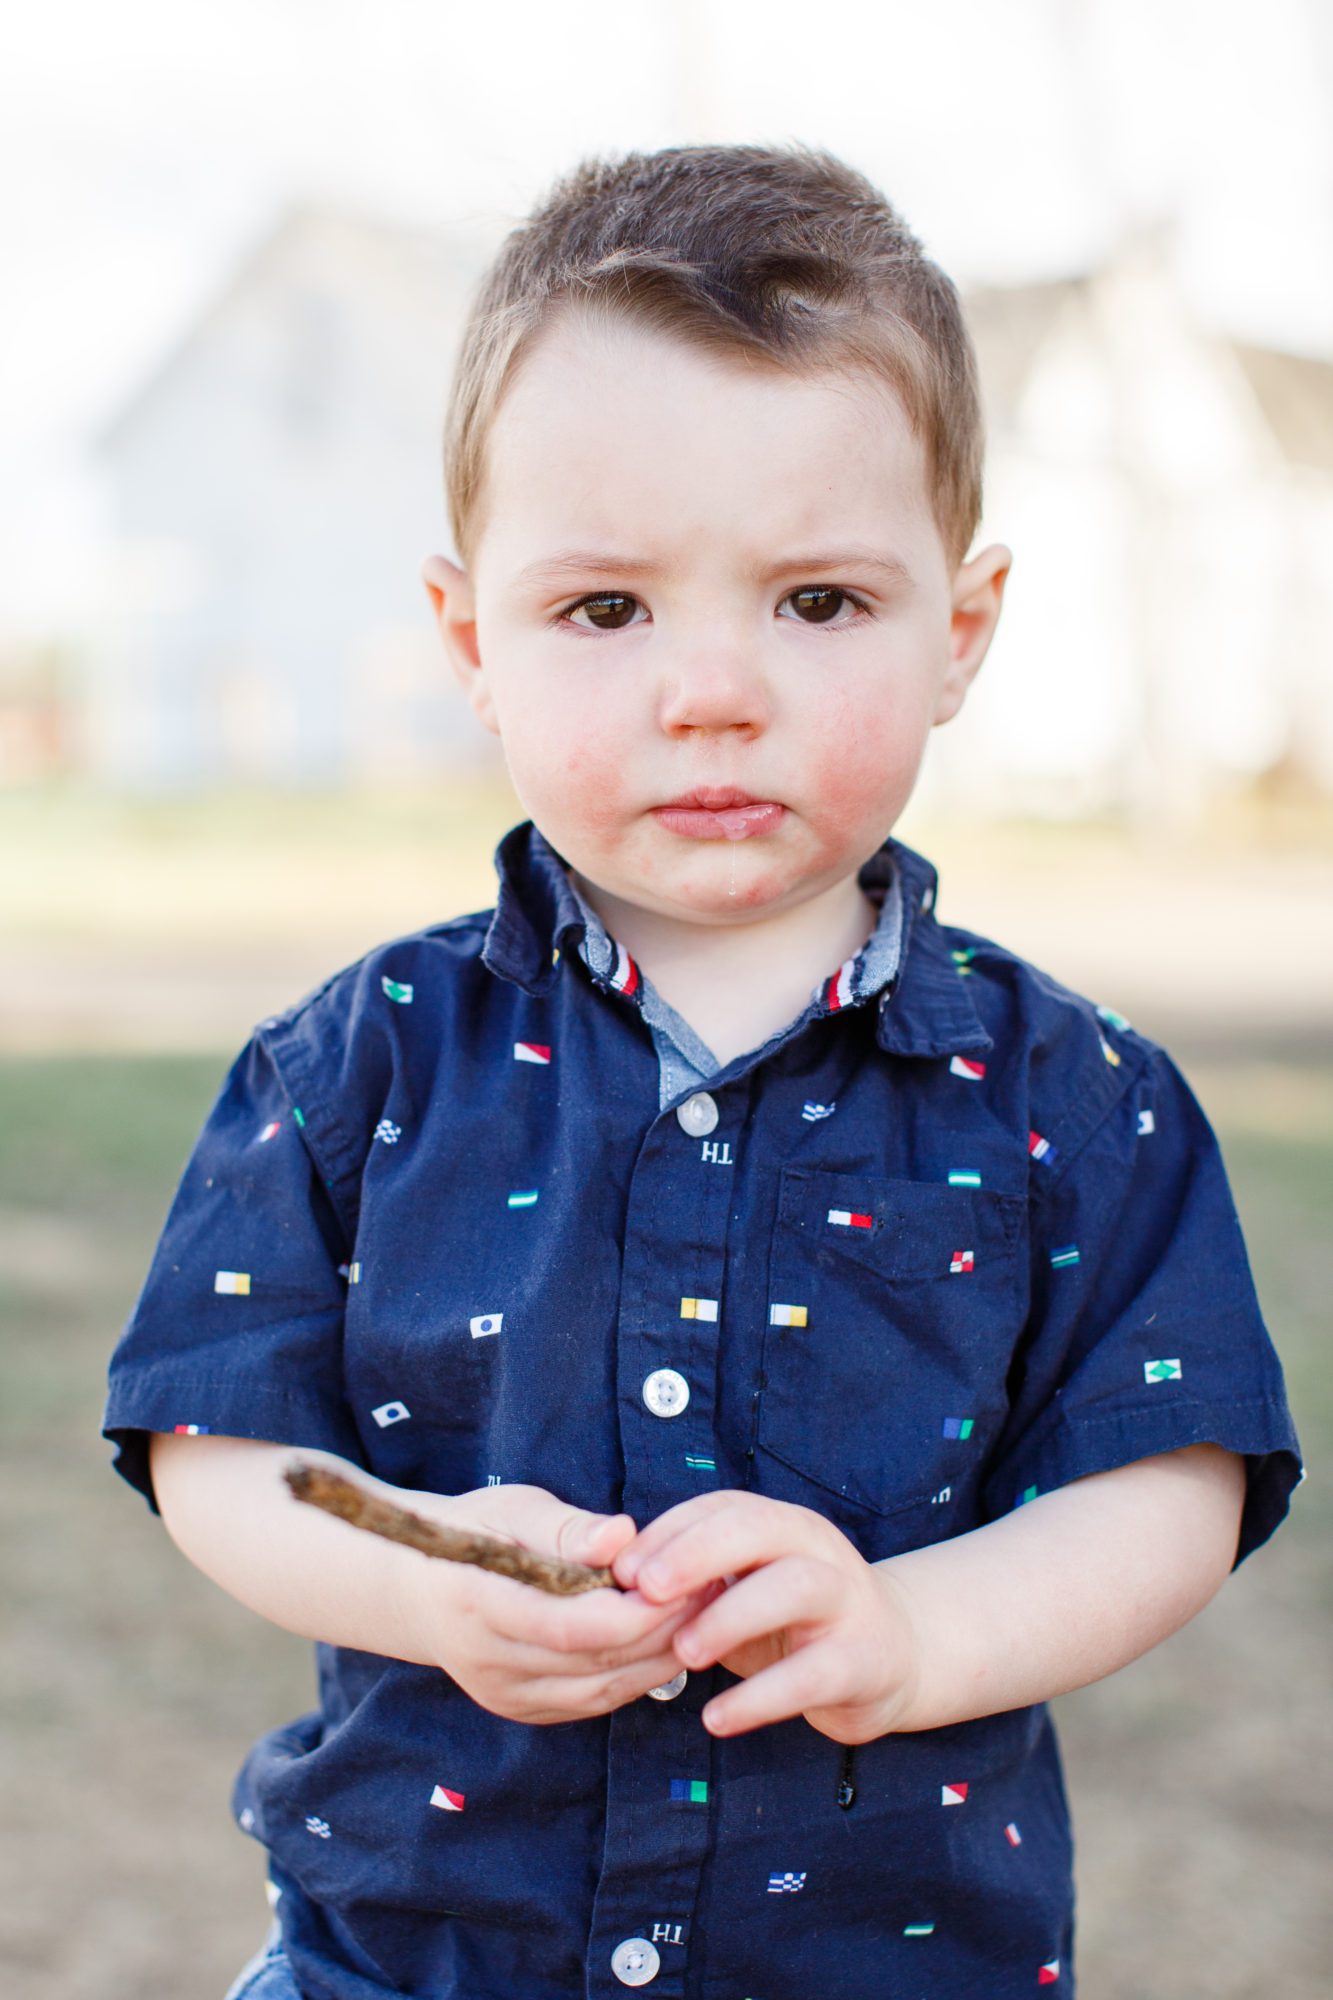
{"x":817,"y":603}
{"x":607,"y":612}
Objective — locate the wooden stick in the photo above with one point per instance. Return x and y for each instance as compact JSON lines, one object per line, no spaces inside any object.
{"x":350,"y":1502}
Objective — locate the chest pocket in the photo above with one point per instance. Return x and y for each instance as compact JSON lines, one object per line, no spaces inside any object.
{"x":893,"y":1310}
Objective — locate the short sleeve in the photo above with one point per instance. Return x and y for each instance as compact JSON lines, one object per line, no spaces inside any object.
{"x":1145,"y":1334}
{"x":238,"y":1328}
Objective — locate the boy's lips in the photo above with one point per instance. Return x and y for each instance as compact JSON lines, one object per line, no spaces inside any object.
{"x":719,"y":812}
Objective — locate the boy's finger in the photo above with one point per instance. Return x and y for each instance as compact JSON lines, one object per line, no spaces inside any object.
{"x":795,"y":1590}
{"x":559,"y":1699}
{"x":804,"y":1680}
{"x":651,"y":1540}
{"x":724,"y":1544}
{"x":595,"y":1539}
{"x":601,"y":1621}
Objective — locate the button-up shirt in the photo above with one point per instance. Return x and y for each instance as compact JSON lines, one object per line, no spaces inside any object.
{"x":481,"y":1208}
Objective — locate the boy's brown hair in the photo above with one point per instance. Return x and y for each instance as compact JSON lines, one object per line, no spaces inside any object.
{"x":784,"y":254}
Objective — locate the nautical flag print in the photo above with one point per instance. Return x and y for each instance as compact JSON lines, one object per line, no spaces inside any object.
{"x":298,"y":1114}
{"x":953,"y":1795}
{"x":237,"y":1282}
{"x":314,"y":1824}
{"x":1042,"y":1149}
{"x":1161,"y":1371}
{"x":1109,"y":1014}
{"x":625,"y":978}
{"x":698,"y":1464}
{"x":390,"y":1413}
{"x":689,"y":1791}
{"x":1028,"y":1493}
{"x":962,"y":1260}
{"x":811,"y":1111}
{"x":942,"y":1498}
{"x":270,"y":1131}
{"x":525,"y":1198}
{"x":918,"y":1930}
{"x":786,"y":1884}
{"x":1147,"y":1124}
{"x":1012,"y":1835}
{"x":1069,"y":1255}
{"x":788,"y":1316}
{"x":192,"y":1430}
{"x":534,"y":1052}
{"x":963,"y":1066}
{"x":848,"y":1218}
{"x":354,"y":1273}
{"x":396,"y":989}
{"x":963,"y":959}
{"x":1112,"y":1055}
{"x":698,"y":1308}
{"x":964,"y":1177}
{"x":958,"y":1427}
{"x":1048,"y":1974}
{"x":388,"y":1132}
{"x":484,"y":1323}
{"x":446,"y":1800}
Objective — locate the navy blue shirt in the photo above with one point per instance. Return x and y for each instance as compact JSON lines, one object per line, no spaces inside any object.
{"x":468,"y":1214}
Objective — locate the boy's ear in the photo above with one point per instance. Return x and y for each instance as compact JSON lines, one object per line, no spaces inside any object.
{"x":453,"y":601}
{"x":978,"y":591}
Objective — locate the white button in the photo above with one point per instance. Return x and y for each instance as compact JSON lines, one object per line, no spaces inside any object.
{"x":666,"y":1393}
{"x":669,"y":1689}
{"x":635,"y":1962}
{"x":697,"y":1115}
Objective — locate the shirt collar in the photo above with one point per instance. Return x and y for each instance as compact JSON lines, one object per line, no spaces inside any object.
{"x":924,"y":1008}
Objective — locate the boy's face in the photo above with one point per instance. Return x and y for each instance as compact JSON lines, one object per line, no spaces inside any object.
{"x":767,"y":607}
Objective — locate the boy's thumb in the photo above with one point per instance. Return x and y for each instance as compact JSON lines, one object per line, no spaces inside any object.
{"x":595,"y":1538}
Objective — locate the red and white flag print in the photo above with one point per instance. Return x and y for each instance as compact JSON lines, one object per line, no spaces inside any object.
{"x":534,"y":1052}
{"x":953,"y":1795}
{"x":1048,"y":1974}
{"x":962,"y":1260}
{"x":848,"y":1218}
{"x":446,"y":1800}
{"x":962,"y":1066}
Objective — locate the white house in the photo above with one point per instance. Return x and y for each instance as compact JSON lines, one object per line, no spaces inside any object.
{"x":274,"y":488}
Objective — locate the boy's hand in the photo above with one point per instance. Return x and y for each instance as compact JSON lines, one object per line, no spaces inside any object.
{"x":522,"y":1653}
{"x":810,"y":1626}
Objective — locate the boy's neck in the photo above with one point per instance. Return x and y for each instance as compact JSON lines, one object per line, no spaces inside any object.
{"x":737,"y":984}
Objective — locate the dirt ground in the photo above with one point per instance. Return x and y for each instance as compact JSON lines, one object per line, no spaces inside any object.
{"x":1201,"y":1778}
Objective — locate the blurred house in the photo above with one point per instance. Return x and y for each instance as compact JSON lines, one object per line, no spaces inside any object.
{"x":1168,"y":494}
{"x":274,"y":489}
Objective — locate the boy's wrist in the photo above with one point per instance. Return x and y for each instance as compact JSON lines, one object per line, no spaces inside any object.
{"x":905,"y":1701}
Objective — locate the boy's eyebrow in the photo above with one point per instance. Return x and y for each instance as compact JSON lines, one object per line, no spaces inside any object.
{"x":583,"y":562}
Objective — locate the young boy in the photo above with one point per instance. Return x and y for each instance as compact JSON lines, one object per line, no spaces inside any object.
{"x":894,"y":1342}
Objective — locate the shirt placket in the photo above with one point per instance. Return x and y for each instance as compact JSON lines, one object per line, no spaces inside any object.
{"x":661,"y":1782}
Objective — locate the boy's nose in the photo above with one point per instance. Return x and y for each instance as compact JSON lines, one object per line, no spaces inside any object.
{"x":715,"y":689}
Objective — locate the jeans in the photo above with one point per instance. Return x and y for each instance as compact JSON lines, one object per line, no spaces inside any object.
{"x":268,"y":1975}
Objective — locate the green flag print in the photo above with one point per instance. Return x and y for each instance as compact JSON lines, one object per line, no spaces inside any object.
{"x":1162,"y":1371}
{"x":396,"y":989}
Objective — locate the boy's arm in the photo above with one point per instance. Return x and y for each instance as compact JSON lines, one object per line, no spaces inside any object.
{"x":517,"y":1651}
{"x":1056,"y":1594}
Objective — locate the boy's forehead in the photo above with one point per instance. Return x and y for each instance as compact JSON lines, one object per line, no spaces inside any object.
{"x":612,"y":434}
